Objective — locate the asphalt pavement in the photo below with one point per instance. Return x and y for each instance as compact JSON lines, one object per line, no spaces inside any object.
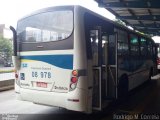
{"x":143,"y":101}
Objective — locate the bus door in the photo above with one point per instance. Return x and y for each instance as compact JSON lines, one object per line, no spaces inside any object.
{"x":96,"y":46}
{"x":112,"y":67}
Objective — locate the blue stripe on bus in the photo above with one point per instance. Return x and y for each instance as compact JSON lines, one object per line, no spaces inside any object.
{"x":62,"y":61}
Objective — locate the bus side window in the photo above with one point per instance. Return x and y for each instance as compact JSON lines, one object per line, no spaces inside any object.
{"x":123,"y":50}
{"x":143,"y":48}
{"x":134,"y":52}
{"x":150,"y":52}
{"x":105,"y":49}
{"x":94,"y":46}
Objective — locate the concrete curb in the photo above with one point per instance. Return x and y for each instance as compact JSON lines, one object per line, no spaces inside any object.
{"x":6,"y":84}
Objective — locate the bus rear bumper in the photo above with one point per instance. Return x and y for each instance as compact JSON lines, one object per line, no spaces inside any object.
{"x":75,"y":100}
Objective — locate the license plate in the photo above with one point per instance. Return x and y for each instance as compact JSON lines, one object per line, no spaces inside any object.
{"x":42,"y":84}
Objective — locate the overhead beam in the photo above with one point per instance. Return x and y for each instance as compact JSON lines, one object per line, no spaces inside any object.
{"x":157,"y":25}
{"x":141,"y":17}
{"x":152,"y":33}
{"x":110,"y":10}
{"x":150,"y":28}
{"x":149,"y":32}
{"x":130,"y":4}
{"x":133,"y":14}
{"x":146,"y":30}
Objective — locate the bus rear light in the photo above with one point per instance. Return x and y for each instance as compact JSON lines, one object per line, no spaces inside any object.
{"x":158,"y":61}
{"x":16,"y":75}
{"x":75,"y":73}
{"x":74,"y":79}
{"x":72,"y":86}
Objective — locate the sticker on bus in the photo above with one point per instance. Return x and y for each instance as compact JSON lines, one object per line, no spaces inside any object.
{"x":42,"y":84}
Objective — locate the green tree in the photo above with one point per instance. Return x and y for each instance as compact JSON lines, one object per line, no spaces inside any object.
{"x":5,"y":50}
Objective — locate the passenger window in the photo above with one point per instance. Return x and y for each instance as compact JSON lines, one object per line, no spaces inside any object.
{"x":123,"y":50}
{"x":122,"y":42}
{"x":134,"y":45}
{"x":150,"y":49}
{"x":94,"y":45}
{"x":135,"y":60}
{"x":143,"y":47}
{"x":105,"y":49}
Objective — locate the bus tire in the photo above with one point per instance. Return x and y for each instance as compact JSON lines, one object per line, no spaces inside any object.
{"x":123,"y":86}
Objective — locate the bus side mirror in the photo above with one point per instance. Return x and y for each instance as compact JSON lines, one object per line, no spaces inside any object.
{"x":15,"y":58}
{"x":14,"y":41}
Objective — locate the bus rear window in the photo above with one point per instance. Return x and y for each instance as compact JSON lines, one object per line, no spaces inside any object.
{"x":44,"y":27}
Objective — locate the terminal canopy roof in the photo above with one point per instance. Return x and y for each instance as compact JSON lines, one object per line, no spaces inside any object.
{"x":142,"y":15}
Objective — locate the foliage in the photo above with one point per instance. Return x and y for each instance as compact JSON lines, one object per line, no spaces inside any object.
{"x":5,"y":49}
{"x":7,"y":71}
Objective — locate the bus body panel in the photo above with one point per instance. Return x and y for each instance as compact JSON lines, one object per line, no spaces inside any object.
{"x":56,"y":99}
{"x":48,"y":72}
{"x":139,"y":76}
{"x":80,"y":55}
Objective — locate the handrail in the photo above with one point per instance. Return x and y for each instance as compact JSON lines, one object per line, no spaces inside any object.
{"x":109,"y":67}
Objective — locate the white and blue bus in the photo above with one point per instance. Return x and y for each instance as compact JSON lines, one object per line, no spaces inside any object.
{"x":73,"y":58}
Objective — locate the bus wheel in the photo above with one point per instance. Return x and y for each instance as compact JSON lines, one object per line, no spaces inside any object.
{"x":123,"y":86}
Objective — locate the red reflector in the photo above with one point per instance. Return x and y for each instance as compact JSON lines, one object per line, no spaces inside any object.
{"x":73,"y":100}
{"x":158,"y":61}
{"x":42,"y":84}
{"x":74,"y":79}
{"x":74,"y":73}
{"x":16,"y":75}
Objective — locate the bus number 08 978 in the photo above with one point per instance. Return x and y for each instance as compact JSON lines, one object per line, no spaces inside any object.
{"x":41,"y":74}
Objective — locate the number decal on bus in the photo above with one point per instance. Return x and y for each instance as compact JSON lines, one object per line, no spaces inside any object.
{"x":41,"y":74}
{"x":45,"y":75}
{"x":34,"y":74}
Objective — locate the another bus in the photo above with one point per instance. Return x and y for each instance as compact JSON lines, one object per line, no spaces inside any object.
{"x":73,"y":58}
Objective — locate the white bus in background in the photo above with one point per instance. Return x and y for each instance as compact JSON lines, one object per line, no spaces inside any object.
{"x":71,"y":57}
